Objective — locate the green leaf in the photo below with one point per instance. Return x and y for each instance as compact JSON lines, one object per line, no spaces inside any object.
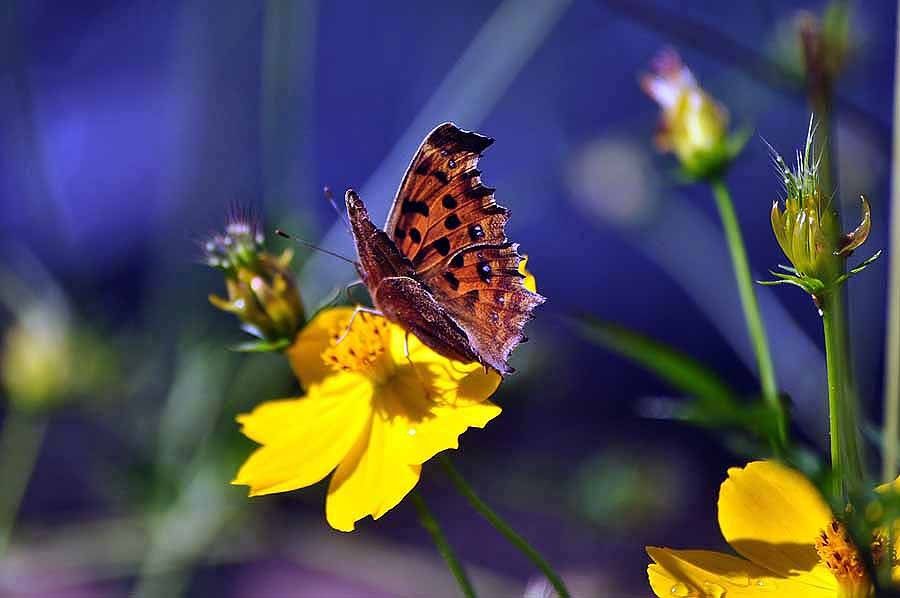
{"x":261,"y":346}
{"x":681,"y":371}
{"x":789,"y":269}
{"x":859,"y":268}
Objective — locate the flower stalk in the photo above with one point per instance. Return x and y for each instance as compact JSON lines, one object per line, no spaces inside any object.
{"x":808,"y":229}
{"x":846,"y":458}
{"x":21,"y":438}
{"x":428,"y":521}
{"x":466,"y":490}
{"x":750,"y":306}
{"x":891,"y":436}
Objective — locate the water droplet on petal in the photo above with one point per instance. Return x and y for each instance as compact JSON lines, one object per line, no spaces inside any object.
{"x":411,"y":431}
{"x":680,"y":590}
{"x":765,"y":585}
{"x":713,"y":590}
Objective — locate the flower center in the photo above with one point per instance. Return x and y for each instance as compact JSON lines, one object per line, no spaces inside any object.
{"x":837,"y":551}
{"x":361,"y":346}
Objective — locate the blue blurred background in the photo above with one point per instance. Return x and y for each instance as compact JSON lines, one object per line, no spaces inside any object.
{"x":128,"y":128}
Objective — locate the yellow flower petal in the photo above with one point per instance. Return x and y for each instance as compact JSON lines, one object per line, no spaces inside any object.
{"x":305,"y":355}
{"x":529,"y":280}
{"x":884,"y":488}
{"x":421,"y":427}
{"x":451,"y":382}
{"x":771,"y":514}
{"x":704,"y":573}
{"x":369,"y":481}
{"x":304,"y":439}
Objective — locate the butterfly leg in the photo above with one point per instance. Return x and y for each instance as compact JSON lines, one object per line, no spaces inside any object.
{"x":355,"y":283}
{"x":356,"y":311}
{"x":413,"y":366}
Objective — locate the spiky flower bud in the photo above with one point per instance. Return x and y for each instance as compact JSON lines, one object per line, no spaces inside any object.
{"x":808,"y":228}
{"x":261,"y":288}
{"x":693,"y":125}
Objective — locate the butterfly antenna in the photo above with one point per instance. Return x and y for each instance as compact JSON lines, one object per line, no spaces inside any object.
{"x":306,"y":243}
{"x":341,"y":213}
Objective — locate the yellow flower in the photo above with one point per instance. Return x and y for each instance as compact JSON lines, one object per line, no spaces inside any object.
{"x":789,"y":542}
{"x":693,"y":126}
{"x":367,"y":412}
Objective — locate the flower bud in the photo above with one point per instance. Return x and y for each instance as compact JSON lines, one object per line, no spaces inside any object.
{"x":37,"y":359}
{"x":808,"y":228}
{"x":693,"y":125}
{"x":825,"y":41}
{"x":261,"y":289}
{"x":47,"y":359}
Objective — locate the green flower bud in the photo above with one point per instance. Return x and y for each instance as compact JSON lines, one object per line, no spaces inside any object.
{"x":808,"y":228}
{"x":261,"y":289}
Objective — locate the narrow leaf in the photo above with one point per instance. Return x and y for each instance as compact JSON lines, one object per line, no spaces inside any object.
{"x":681,"y":371}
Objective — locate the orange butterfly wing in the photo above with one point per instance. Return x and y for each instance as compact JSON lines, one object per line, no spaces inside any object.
{"x":446,"y":222}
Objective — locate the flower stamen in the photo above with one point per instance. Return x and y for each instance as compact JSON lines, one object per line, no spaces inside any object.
{"x":360,"y":346}
{"x":838,"y":553}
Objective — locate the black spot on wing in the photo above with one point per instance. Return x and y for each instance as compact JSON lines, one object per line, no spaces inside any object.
{"x":452,"y":221}
{"x":442,"y":245}
{"x":451,"y":280}
{"x":411,"y":206}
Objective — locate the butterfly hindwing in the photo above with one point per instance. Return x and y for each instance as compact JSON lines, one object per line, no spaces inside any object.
{"x":483,"y":290}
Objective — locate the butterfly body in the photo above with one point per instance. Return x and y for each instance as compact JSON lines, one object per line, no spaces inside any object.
{"x":443,"y":268}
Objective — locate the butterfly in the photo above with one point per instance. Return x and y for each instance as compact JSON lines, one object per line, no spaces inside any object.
{"x":442,"y":268}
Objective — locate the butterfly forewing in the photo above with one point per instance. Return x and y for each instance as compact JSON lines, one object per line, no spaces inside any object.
{"x":442,"y":206}
{"x":446,"y":222}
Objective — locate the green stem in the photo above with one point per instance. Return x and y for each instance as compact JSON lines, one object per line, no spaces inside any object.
{"x":846,"y":459}
{"x":463,"y":487}
{"x":21,"y":438}
{"x":751,"y":310}
{"x":892,"y":347}
{"x":431,"y":525}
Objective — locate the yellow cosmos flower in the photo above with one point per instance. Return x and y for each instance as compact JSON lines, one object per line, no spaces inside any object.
{"x":370,"y":412}
{"x":789,"y":542}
